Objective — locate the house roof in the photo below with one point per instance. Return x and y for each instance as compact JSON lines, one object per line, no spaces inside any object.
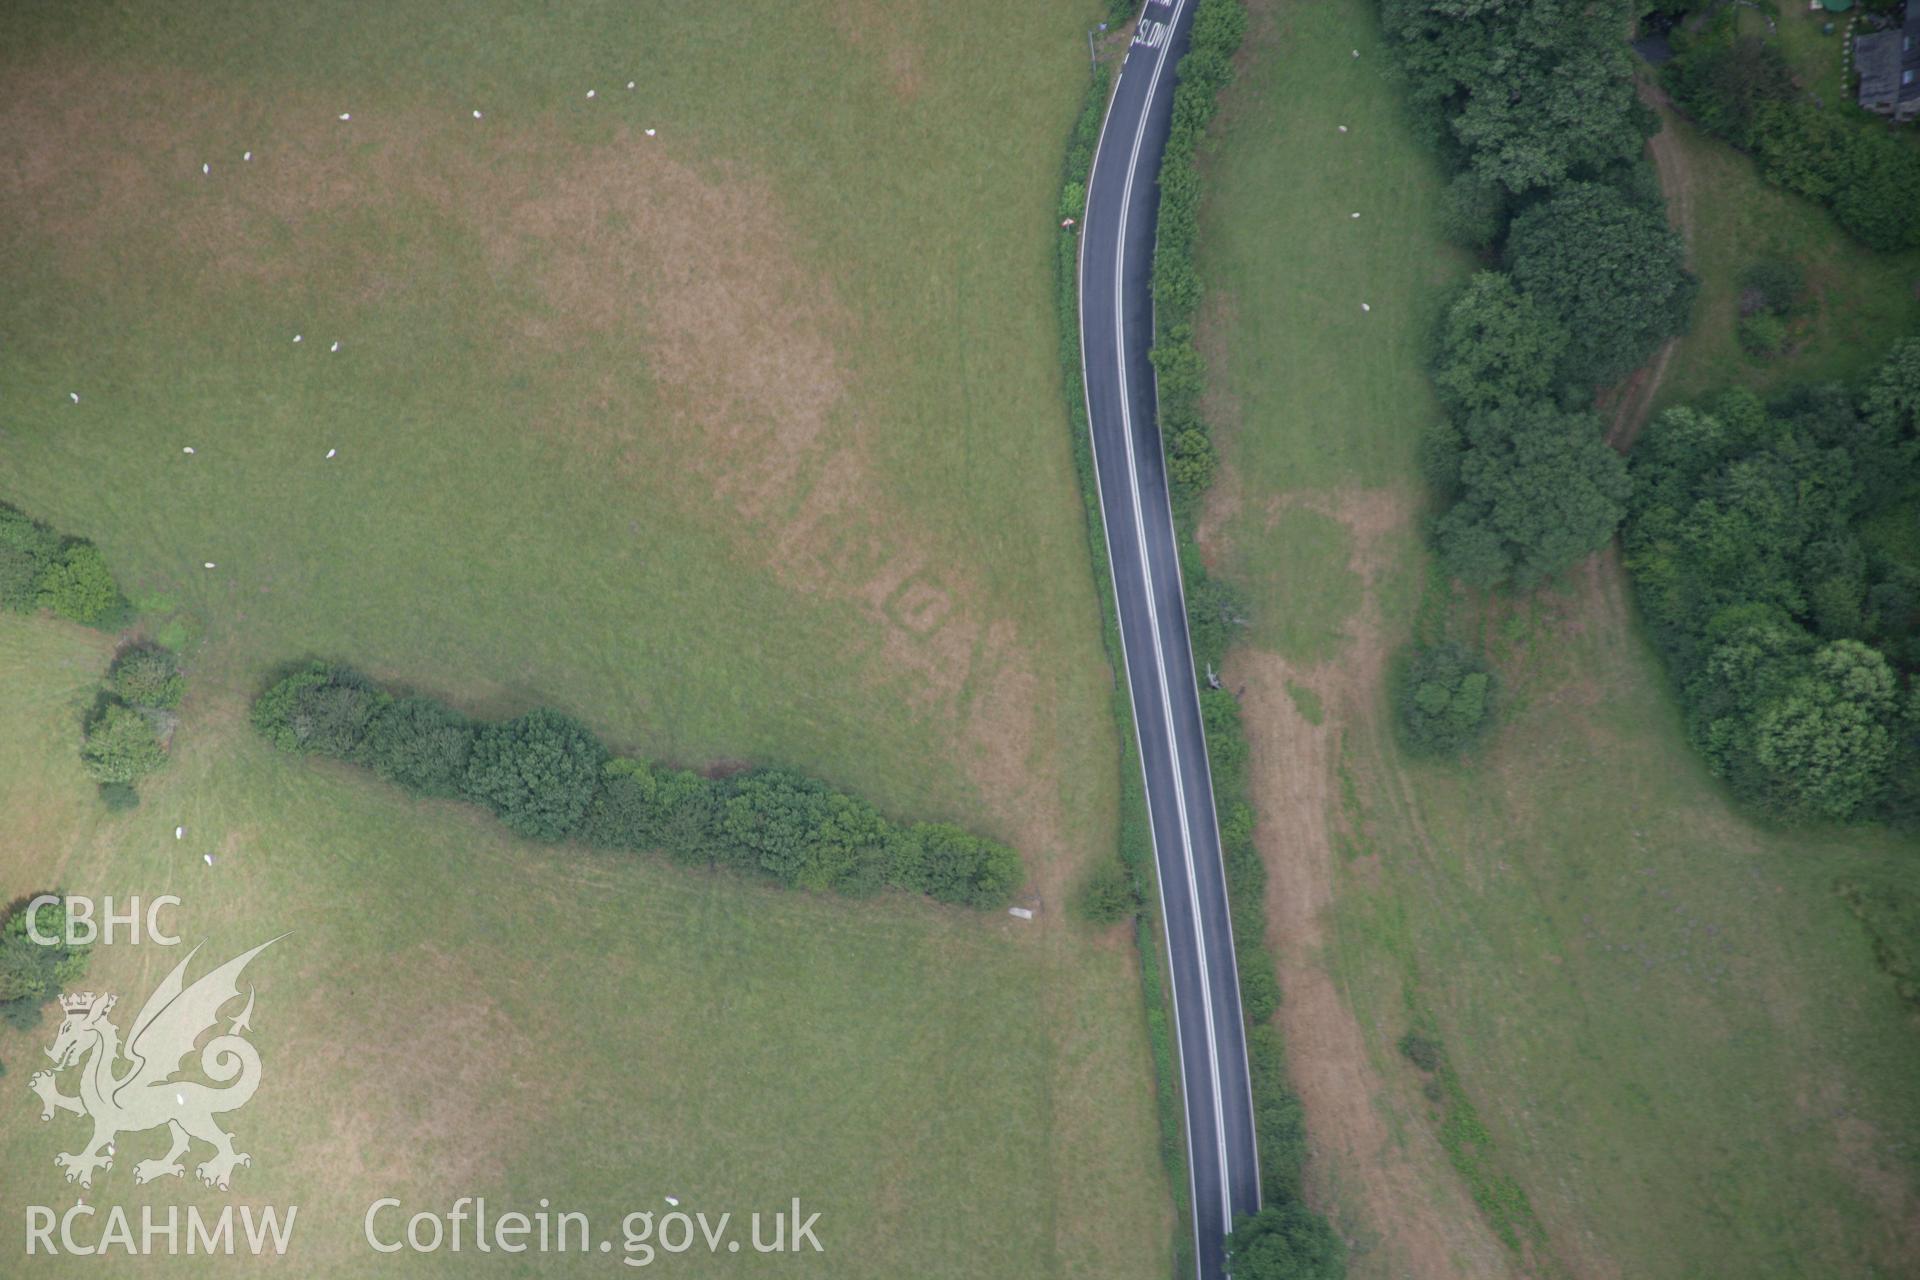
{"x":1910,"y":54}
{"x":1889,"y":62}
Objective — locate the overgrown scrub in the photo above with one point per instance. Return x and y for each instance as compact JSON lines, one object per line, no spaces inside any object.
{"x":1773,"y":294}
{"x":1109,"y":895}
{"x":537,"y":772}
{"x":43,"y":569}
{"x":1740,"y":89}
{"x":1469,"y":1146}
{"x":547,"y":777}
{"x":1284,"y":1241}
{"x":1772,"y":550}
{"x":121,"y":745}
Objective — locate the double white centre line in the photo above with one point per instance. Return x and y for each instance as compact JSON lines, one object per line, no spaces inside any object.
{"x":1153,"y":619}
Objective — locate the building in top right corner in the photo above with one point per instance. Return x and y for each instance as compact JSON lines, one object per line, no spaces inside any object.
{"x":1889,"y":66}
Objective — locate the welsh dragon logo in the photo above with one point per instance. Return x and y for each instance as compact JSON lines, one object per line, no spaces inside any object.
{"x":144,"y":1095}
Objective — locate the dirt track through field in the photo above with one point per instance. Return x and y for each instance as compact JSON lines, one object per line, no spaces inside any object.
{"x":1629,"y":405}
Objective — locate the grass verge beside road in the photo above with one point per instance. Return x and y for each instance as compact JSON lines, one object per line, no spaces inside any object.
{"x":736,"y":439}
{"x":1671,"y":1032}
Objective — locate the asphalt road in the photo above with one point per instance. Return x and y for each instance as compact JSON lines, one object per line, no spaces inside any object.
{"x":1116,"y":331}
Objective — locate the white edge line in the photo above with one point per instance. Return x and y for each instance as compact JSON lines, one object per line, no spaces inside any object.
{"x":1160,"y":658}
{"x":1153,"y":618}
{"x":1206,"y":756}
{"x":1126,"y":661}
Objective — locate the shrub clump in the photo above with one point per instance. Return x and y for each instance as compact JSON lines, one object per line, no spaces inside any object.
{"x":122,"y":745}
{"x":1109,"y":895}
{"x":32,"y":974}
{"x":537,"y":773}
{"x":420,"y":744}
{"x":1444,"y":697}
{"x":320,"y":708}
{"x":147,"y":675}
{"x":41,"y":569}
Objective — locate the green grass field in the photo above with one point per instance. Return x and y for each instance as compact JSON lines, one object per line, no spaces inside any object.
{"x":1859,"y":298}
{"x":1683,"y":1057}
{"x":743,"y":442}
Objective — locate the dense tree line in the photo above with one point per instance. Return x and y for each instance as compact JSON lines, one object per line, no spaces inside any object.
{"x":44,"y":569}
{"x":1741,"y":89}
{"x":1775,"y":550}
{"x":1519,"y":95}
{"x":547,"y":777}
{"x":1205,"y":70}
{"x":1531,"y":107}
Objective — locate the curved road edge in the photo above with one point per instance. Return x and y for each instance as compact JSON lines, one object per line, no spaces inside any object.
{"x":1116,"y":334}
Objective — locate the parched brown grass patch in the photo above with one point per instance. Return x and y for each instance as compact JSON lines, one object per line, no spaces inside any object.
{"x":875,"y":31}
{"x":587,"y":260}
{"x":1384,"y":1180}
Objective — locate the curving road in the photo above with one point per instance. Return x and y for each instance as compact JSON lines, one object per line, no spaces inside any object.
{"x":1116,"y":331}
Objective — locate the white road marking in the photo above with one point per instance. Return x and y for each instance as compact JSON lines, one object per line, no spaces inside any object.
{"x":1159,"y":652}
{"x":1126,"y":660}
